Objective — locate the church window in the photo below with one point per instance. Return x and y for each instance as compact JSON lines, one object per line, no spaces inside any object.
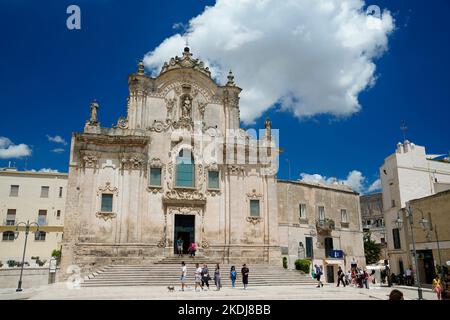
{"x":185,"y":169}
{"x":254,"y":208}
{"x":344,"y":217}
{"x":155,"y":177}
{"x":302,"y":208}
{"x":321,"y":213}
{"x":107,"y":202}
{"x":213,"y":179}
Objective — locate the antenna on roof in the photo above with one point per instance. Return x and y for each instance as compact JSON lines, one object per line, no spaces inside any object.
{"x":403,"y":128}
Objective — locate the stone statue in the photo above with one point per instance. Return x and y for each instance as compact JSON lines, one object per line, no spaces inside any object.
{"x":94,"y":107}
{"x":186,"y":108}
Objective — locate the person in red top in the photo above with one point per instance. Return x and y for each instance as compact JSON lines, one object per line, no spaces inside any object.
{"x":192,"y":249}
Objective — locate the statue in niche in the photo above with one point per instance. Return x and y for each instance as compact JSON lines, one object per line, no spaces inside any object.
{"x":186,"y":107}
{"x":94,"y":106}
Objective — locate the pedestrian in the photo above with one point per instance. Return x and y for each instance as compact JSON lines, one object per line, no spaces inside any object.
{"x":318,"y":272}
{"x":366,"y":279}
{"x":180,"y":247}
{"x":341,"y":277}
{"x":217,"y":278}
{"x":233,"y":275}
{"x":437,"y":286}
{"x":396,"y":295}
{"x":198,"y":277}
{"x":372,"y":276}
{"x":205,"y":277}
{"x":245,"y":271}
{"x":408,"y":276}
{"x":183,"y":277}
{"x":348,"y":278}
{"x":353,"y":264}
{"x":192,"y":249}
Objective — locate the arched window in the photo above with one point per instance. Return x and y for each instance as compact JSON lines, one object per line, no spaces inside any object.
{"x":185,"y":175}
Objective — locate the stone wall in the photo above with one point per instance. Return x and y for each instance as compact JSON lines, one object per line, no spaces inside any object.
{"x":31,"y":278}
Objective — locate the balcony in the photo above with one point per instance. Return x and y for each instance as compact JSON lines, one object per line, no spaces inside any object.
{"x":325,"y":226}
{"x":42,"y":222}
{"x":9,"y":222}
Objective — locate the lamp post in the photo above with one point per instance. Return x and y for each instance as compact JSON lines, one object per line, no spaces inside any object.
{"x":424,"y":223}
{"x":27,"y":225}
{"x":439,"y":252}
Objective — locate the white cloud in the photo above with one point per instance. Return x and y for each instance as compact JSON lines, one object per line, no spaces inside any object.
{"x":56,"y":139}
{"x":355,"y":180}
{"x":48,"y":170}
{"x":313,"y":57}
{"x":58,"y":150}
{"x":375,"y":186}
{"x":8,"y":150}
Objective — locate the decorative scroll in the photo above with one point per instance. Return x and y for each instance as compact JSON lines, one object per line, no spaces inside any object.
{"x":105,"y":215}
{"x":254,"y":220}
{"x":107,"y":189}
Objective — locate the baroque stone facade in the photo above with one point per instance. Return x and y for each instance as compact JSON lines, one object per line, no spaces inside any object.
{"x":181,"y":112}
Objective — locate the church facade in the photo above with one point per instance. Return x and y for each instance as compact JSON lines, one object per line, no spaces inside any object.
{"x":178,"y":166}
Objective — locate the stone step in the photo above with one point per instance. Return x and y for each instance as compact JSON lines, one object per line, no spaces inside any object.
{"x":169,"y":274}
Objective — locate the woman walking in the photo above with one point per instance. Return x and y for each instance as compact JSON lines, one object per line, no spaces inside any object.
{"x":205,"y":276}
{"x":245,"y":271}
{"x":437,"y":287}
{"x":198,"y":277}
{"x":217,"y":278}
{"x":233,"y":275}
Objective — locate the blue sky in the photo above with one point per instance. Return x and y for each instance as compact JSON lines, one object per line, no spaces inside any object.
{"x":50,"y":74}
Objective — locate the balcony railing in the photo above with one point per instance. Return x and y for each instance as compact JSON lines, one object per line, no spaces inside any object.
{"x":42,"y":222}
{"x":9,"y":222}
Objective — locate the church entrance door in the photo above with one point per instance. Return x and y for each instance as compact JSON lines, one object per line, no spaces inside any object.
{"x":184,"y":229}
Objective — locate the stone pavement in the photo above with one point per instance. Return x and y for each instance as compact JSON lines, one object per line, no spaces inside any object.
{"x":60,"y":291}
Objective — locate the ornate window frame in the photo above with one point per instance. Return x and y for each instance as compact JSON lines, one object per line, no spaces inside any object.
{"x":155,"y":163}
{"x":254,"y":196}
{"x":209,"y":190}
{"x":107,"y":189}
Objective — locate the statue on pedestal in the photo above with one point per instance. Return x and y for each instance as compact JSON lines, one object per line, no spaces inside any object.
{"x":93,"y":119}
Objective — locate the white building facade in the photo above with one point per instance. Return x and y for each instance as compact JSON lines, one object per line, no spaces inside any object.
{"x":408,"y":174}
{"x":35,"y":197}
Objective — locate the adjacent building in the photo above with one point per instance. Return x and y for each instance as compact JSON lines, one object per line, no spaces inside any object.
{"x":372,"y":217}
{"x":408,"y":174}
{"x":35,"y":197}
{"x":433,"y":242}
{"x":320,"y":222}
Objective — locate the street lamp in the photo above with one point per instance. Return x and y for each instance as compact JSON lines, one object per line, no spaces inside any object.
{"x":27,"y":225}
{"x":424,"y":223}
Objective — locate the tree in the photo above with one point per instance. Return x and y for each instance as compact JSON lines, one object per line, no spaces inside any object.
{"x":372,"y":250}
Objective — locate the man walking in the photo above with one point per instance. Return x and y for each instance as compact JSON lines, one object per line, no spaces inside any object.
{"x":408,"y":274}
{"x":318,"y":272}
{"x":245,"y":271}
{"x":183,"y":275}
{"x":341,"y":277}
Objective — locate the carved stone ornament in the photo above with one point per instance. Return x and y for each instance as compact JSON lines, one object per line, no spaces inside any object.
{"x":105,"y":215}
{"x":205,"y":243}
{"x":184,"y":194}
{"x":89,"y":160}
{"x":183,"y":123}
{"x":234,"y":169}
{"x":170,"y":103}
{"x":213,"y":192}
{"x":254,"y":220}
{"x":324,"y":227}
{"x":108,"y":189}
{"x":132,"y":162}
{"x":201,"y":108}
{"x":161,"y":242}
{"x":186,"y":61}
{"x":156,"y":163}
{"x":122,"y":123}
{"x":155,"y":190}
{"x":254,"y":195}
{"x":184,"y":210}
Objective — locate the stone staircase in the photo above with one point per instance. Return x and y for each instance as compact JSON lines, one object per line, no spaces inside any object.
{"x":168,"y":274}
